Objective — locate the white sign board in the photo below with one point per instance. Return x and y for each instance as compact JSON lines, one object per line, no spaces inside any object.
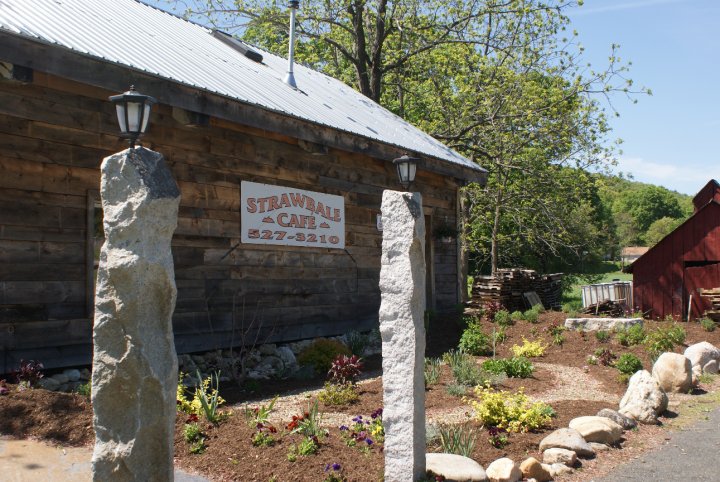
{"x":291,"y":217}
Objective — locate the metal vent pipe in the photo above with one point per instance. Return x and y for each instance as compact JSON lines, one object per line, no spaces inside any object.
{"x":290,"y":77}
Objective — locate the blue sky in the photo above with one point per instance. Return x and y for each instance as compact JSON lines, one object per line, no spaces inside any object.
{"x":674,"y":45}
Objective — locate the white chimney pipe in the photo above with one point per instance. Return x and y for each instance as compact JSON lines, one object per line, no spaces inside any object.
{"x":290,"y":77}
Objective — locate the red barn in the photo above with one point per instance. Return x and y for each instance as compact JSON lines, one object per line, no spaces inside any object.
{"x":667,"y":278}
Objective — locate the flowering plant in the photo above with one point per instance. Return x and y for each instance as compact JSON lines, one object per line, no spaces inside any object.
{"x":264,"y":435}
{"x":29,"y":373}
{"x":498,"y":437}
{"x":363,"y":432}
{"x":345,"y":369}
{"x":334,"y":473}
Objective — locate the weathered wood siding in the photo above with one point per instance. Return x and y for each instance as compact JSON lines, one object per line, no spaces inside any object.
{"x":53,"y":136}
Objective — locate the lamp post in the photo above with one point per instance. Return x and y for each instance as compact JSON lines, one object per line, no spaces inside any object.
{"x":133,"y":112}
{"x":406,"y":168}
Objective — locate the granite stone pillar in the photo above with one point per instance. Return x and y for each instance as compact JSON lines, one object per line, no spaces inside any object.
{"x":402,"y":308}
{"x":134,"y":377}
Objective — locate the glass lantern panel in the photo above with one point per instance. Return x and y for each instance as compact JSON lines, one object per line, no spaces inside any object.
{"x":403,"y":171}
{"x":146,"y":117}
{"x":120,"y":109}
{"x":134,"y":113}
{"x":412,"y":170}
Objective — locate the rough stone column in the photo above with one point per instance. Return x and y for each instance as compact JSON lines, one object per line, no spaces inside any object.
{"x":134,"y":377}
{"x":402,"y":287}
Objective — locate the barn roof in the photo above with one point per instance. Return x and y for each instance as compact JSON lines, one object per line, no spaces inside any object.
{"x":634,"y":250}
{"x":132,"y":34}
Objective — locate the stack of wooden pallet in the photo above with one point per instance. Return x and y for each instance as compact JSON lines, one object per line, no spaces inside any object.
{"x":713,"y":295}
{"x":508,"y":285}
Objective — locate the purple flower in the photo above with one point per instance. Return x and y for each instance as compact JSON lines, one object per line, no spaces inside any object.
{"x":377,"y":413}
{"x":336,"y":467}
{"x":358,"y":419}
{"x":344,"y":428}
{"x":369,"y":441}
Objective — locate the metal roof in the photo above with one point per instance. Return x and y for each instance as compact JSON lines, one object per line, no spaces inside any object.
{"x":130,"y":33}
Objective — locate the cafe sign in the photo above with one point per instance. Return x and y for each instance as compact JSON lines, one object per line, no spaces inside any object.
{"x":291,"y":217}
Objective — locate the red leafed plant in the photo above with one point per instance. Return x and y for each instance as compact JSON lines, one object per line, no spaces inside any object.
{"x":345,"y":369}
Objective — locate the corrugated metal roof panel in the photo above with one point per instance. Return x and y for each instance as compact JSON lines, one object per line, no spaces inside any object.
{"x":131,"y":33}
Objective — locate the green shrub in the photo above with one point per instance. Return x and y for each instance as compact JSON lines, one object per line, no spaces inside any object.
{"x":456,"y":390}
{"x":628,"y":364}
{"x":572,"y":306}
{"x":514,"y":412}
{"x":356,"y":342}
{"x":84,"y":389}
{"x":635,"y":335}
{"x":432,"y":371}
{"x":516,"y":316}
{"x":529,"y":349}
{"x":602,"y":336}
{"x":453,"y":357}
{"x":338,"y":394}
{"x":321,"y":354}
{"x":532,"y":315}
{"x":707,"y":324}
{"x":457,"y":439}
{"x":191,"y":432}
{"x":502,"y":318}
{"x":515,"y":367}
{"x":605,"y":357}
{"x":475,"y":341}
{"x":661,"y":340}
{"x":467,"y":372}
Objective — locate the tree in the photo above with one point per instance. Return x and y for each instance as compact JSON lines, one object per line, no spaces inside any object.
{"x":648,"y":204}
{"x":661,"y":228}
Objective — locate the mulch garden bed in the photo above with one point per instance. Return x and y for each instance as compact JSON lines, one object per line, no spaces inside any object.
{"x":230,"y":455}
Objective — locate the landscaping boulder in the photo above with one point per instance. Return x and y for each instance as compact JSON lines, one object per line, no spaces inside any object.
{"x":601,"y":324}
{"x":626,"y":423}
{"x":455,"y":467}
{"x":504,"y":470}
{"x":61,"y":378}
{"x":644,"y":400}
{"x":49,"y":383}
{"x":531,"y":468}
{"x":558,"y":470}
{"x":287,"y":357}
{"x":598,"y":447}
{"x":569,"y":439}
{"x":700,"y":354}
{"x":673,"y":373}
{"x":559,"y":456}
{"x":72,"y":374}
{"x":597,"y":429}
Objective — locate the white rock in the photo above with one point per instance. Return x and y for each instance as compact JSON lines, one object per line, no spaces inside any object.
{"x":673,"y":372}
{"x":626,"y":423}
{"x":598,"y":447}
{"x":402,"y":308}
{"x":700,"y":354}
{"x":644,"y":400}
{"x":503,"y":470}
{"x":559,"y":456}
{"x":598,"y":324}
{"x":711,"y":367}
{"x":569,"y":439}
{"x":287,"y":356}
{"x":558,"y":470}
{"x":134,"y":377}
{"x":531,"y":468}
{"x":597,"y":429}
{"x":455,"y":467}
{"x":61,"y":378}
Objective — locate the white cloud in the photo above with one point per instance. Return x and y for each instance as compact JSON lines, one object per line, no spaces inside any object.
{"x":682,"y":177}
{"x":589,"y":10}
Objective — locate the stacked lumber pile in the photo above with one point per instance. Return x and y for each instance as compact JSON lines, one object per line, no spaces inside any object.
{"x":713,"y":295}
{"x":615,"y":309}
{"x":508,"y":285}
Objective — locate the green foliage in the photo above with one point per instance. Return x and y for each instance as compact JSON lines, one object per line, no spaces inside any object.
{"x":453,"y":357}
{"x":628,"y":364}
{"x":498,"y":335}
{"x":457,"y":439}
{"x":662,"y":340}
{"x":707,"y":324}
{"x":635,"y":335}
{"x":263,"y":437}
{"x":456,"y":389}
{"x":659,"y":229}
{"x":502,"y":318}
{"x":556,"y":331}
{"x":206,"y":398}
{"x":260,"y":415}
{"x":321,"y":354}
{"x":307,"y":446}
{"x":338,"y":394}
{"x":514,"y":412}
{"x":602,"y":336}
{"x":515,"y":367}
{"x":84,"y":389}
{"x":605,"y":357}
{"x":643,"y":206}
{"x":475,"y":341}
{"x":532,"y":315}
{"x":529,"y":349}
{"x":198,"y":446}
{"x":357,"y":342}
{"x":516,"y":316}
{"x":191,"y":432}
{"x":310,"y":424}
{"x":432,"y":371}
{"x":467,"y":372}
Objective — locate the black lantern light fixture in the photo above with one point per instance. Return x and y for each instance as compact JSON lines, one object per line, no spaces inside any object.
{"x":133,"y":112}
{"x":406,"y":168}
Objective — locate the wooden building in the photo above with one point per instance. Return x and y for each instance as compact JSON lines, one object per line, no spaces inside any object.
{"x":667,"y":278}
{"x":223,"y":119}
{"x":629,"y":254}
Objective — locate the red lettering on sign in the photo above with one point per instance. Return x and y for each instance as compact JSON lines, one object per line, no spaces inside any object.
{"x":284,"y":201}
{"x":297,"y":199}
{"x":252,"y":205}
{"x":273,"y":203}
